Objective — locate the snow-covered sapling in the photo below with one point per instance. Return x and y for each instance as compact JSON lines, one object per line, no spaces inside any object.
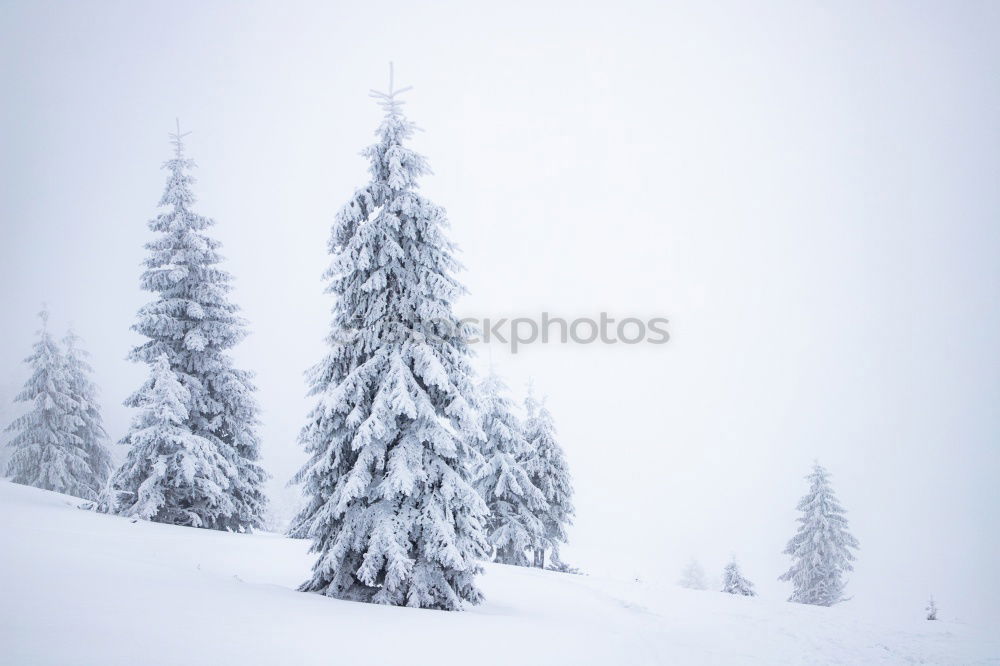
{"x":931,"y":609}
{"x":733,"y":581}
{"x":821,"y":549}
{"x":557,"y":564}
{"x":390,"y":508}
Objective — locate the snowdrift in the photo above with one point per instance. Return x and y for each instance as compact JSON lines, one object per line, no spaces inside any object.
{"x":83,"y":588}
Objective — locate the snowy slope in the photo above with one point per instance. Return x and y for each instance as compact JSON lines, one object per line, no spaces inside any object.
{"x":82,"y":588}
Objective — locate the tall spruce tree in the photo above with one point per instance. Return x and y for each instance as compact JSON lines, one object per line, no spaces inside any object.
{"x":88,"y":410}
{"x":48,"y":451}
{"x":193,"y":323}
{"x":392,"y":513}
{"x":546,"y":465}
{"x":517,"y":506}
{"x":733,"y":581}
{"x":170,"y":474}
{"x":821,"y":549}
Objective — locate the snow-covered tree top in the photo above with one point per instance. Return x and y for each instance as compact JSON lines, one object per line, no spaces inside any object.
{"x":177,"y":140}
{"x":821,"y":504}
{"x":389,"y":100}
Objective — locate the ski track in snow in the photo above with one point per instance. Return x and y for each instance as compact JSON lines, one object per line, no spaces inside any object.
{"x":84,"y":588}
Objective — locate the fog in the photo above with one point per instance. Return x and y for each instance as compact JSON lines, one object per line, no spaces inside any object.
{"x":808,"y":192}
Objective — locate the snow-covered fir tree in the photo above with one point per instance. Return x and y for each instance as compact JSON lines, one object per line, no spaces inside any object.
{"x":821,"y":549}
{"x":931,"y":609}
{"x":517,"y":507}
{"x":48,"y":451}
{"x":546,"y":465}
{"x":390,"y":507}
{"x":170,"y":474}
{"x":193,"y":323}
{"x":733,"y":581}
{"x":87,"y":409}
{"x":693,"y":577}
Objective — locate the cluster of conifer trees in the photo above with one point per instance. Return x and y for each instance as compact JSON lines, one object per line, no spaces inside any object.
{"x":59,"y":443}
{"x":416,"y":470}
{"x":821,"y":551}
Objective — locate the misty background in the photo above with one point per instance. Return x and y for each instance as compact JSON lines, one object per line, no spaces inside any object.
{"x":807,"y":191}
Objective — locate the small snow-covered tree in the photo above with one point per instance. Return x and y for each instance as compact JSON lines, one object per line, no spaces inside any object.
{"x":170,"y":474}
{"x":390,"y":508}
{"x":557,"y":564}
{"x":546,"y":465}
{"x":931,"y":609}
{"x":517,"y":506}
{"x":87,"y":409}
{"x":193,"y":323}
{"x":693,"y":577}
{"x":48,"y":452}
{"x":733,"y":581}
{"x":821,"y":549}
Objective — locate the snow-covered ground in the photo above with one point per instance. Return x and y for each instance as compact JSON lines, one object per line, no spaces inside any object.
{"x":82,"y":588}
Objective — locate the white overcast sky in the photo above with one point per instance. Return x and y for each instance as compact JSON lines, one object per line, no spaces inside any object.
{"x":808,"y":191}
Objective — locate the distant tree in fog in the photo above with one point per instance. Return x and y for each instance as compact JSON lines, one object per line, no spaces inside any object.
{"x":821,"y":549}
{"x":733,"y":581}
{"x":693,"y":577}
{"x":547,"y":468}
{"x":517,"y":507}
{"x":90,"y":424}
{"x":47,"y":449}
